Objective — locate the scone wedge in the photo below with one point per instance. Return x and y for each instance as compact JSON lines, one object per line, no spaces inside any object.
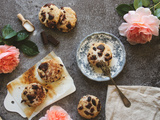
{"x":55,"y":90}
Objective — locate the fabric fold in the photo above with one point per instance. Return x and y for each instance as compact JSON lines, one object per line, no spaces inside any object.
{"x":145,"y":103}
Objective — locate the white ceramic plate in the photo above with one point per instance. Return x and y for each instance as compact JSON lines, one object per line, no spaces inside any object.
{"x":118,"y":55}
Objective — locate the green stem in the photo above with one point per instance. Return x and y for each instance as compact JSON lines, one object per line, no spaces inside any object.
{"x":155,"y":5}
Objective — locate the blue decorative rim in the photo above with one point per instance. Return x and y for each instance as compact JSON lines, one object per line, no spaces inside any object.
{"x":118,"y":53}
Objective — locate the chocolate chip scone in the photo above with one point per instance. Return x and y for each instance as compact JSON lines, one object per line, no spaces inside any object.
{"x":89,"y":106}
{"x":33,"y":95}
{"x":98,"y":52}
{"x":49,"y":15}
{"x":50,"y":71}
{"x":67,"y":19}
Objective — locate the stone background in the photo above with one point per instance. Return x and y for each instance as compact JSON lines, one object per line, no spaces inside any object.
{"x":142,"y":66}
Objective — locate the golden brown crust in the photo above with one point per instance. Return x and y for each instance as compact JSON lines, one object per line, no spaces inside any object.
{"x":99,"y":51}
{"x":50,"y":71}
{"x":49,"y":15}
{"x":89,"y":106}
{"x":33,"y":95}
{"x":68,"y":19}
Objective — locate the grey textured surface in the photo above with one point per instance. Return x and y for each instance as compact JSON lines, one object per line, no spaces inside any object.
{"x":142,"y":64}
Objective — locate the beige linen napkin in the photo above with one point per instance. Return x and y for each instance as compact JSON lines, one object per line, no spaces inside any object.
{"x":145,"y":103}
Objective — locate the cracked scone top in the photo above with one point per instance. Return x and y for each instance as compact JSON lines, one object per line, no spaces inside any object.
{"x":98,"y":52}
{"x":49,"y":15}
{"x":68,"y":19}
{"x":50,"y":71}
{"x":33,"y":95}
{"x":89,"y":106}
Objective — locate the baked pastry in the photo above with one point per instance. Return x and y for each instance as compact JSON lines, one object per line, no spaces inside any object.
{"x":50,"y":71}
{"x":49,"y":15}
{"x":67,"y":20}
{"x":89,"y":106}
{"x":98,"y":52}
{"x":54,"y":91}
{"x":33,"y":95}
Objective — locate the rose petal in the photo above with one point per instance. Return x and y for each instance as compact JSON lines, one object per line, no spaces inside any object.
{"x":123,"y":29}
{"x":140,"y":26}
{"x":143,"y":11}
{"x":131,"y":17}
{"x":153,"y":23}
{"x":9,"y":58}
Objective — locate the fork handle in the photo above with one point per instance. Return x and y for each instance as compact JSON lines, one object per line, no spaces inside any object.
{"x":126,"y":102}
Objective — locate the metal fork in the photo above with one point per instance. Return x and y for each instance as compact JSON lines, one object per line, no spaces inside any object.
{"x":106,"y":70}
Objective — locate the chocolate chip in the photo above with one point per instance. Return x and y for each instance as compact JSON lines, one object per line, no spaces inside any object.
{"x":53,"y":40}
{"x":43,"y":19}
{"x":107,"y":54}
{"x":99,"y":54}
{"x":107,"y":59}
{"x":88,"y":55}
{"x":61,"y":65}
{"x":80,"y":108}
{"x":46,"y":90}
{"x":44,"y":38}
{"x":31,"y":101}
{"x":43,"y":16}
{"x":51,"y":24}
{"x":86,"y":112}
{"x":51,"y":9}
{"x":69,"y":25}
{"x":50,"y":16}
{"x":91,"y":114}
{"x":99,"y":106}
{"x":34,"y":86}
{"x":89,"y":105}
{"x":25,"y":92}
{"x":43,"y":67}
{"x":30,"y":98}
{"x":23,"y":101}
{"x":94,"y":48}
{"x":93,"y":102}
{"x":48,"y":5}
{"x":101,"y":47}
{"x":42,"y":76}
{"x":98,"y":64}
{"x":93,"y":57}
{"x":92,"y":110}
{"x":89,"y":99}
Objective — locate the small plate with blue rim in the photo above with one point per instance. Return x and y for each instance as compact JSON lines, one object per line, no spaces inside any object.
{"x":118,"y":55}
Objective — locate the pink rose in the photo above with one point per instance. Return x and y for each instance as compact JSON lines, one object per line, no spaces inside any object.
{"x":140,"y":26}
{"x":9,"y":58}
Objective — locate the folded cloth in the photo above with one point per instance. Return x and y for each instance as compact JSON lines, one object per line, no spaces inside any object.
{"x":145,"y":103}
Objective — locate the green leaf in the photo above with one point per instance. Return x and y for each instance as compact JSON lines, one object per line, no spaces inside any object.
{"x":145,"y":3}
{"x":137,"y":3}
{"x":157,"y":6}
{"x":29,"y":48}
{"x":8,"y":32}
{"x":22,"y":35}
{"x":132,"y":6}
{"x":10,"y":41}
{"x":1,"y":40}
{"x":157,"y":13}
{"x":155,"y":1}
{"x":123,"y":9}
